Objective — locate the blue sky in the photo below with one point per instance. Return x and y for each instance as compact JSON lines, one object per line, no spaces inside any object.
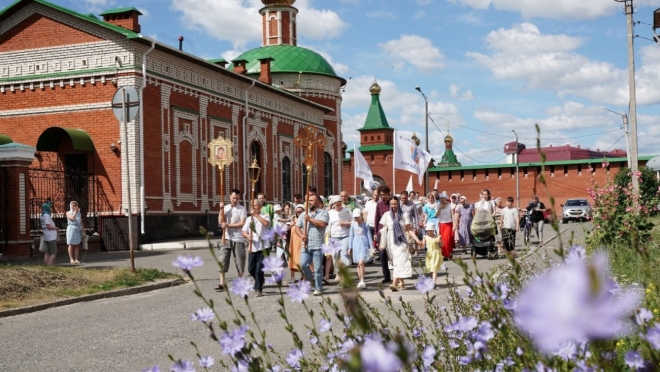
{"x":487,"y":66}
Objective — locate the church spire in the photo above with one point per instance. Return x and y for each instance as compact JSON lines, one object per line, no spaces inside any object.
{"x":279,"y":22}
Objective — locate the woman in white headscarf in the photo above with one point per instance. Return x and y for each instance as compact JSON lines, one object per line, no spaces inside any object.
{"x":74,"y":231}
{"x":393,"y":238}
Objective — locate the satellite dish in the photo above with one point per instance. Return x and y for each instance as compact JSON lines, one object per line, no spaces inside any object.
{"x":654,"y":163}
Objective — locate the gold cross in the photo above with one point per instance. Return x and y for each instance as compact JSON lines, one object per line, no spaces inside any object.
{"x":310,"y":138}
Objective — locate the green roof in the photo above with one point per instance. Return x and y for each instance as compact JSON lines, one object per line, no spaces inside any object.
{"x":5,"y":139}
{"x":374,"y":148}
{"x":376,"y":116}
{"x":449,"y":159}
{"x":21,"y":3}
{"x":287,"y":58}
{"x":121,"y":10}
{"x":538,"y":164}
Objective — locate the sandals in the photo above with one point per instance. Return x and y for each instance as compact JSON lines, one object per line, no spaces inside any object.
{"x":401,"y":287}
{"x":393,"y":287}
{"x":219,"y":288}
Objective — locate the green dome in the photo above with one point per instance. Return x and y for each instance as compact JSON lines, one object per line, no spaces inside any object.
{"x":287,"y":58}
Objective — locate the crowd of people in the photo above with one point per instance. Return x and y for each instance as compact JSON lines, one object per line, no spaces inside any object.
{"x":313,"y":237}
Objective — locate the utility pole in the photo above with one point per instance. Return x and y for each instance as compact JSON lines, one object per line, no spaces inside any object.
{"x":426,"y":136}
{"x":517,"y":173}
{"x":629,"y":9}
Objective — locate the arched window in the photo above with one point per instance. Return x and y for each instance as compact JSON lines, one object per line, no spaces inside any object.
{"x":286,"y":179}
{"x":327,"y":173}
{"x":255,"y":153}
{"x":272,"y":24}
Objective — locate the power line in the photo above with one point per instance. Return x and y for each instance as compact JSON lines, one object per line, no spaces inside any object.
{"x":459,"y":150}
{"x":617,"y":141}
{"x":523,"y":138}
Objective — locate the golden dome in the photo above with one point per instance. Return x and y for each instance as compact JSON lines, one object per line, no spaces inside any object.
{"x":449,"y":138}
{"x":344,"y":146}
{"x":278,"y":2}
{"x":415,"y":139}
{"x":375,"y":88}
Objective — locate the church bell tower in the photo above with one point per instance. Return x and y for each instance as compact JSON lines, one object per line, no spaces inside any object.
{"x":279,"y":22}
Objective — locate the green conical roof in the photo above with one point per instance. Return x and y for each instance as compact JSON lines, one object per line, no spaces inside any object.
{"x":376,"y":116}
{"x":449,"y":158}
{"x":287,"y":58}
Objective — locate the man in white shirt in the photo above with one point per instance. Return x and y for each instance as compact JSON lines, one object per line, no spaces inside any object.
{"x":50,"y":232}
{"x":340,"y":226}
{"x":409,"y":208}
{"x":231,"y":220}
{"x":253,"y":230}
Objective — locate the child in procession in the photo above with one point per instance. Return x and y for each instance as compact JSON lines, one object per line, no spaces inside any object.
{"x":433,"y":251}
{"x":358,"y":240}
{"x":509,"y":225}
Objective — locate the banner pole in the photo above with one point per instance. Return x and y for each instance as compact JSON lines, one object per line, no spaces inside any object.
{"x":394,"y":165}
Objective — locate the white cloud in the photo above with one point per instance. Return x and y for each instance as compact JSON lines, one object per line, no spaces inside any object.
{"x":230,"y":55}
{"x":550,"y":62}
{"x":144,"y":11}
{"x":454,"y":91}
{"x":239,"y":22}
{"x":556,"y":9}
{"x":415,"y":50}
{"x":340,"y":68}
{"x":382,"y":14}
{"x":98,"y":5}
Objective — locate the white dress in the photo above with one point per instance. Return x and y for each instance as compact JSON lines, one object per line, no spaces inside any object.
{"x":398,"y":253}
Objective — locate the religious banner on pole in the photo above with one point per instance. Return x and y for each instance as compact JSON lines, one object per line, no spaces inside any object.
{"x":408,"y":156}
{"x":409,"y":188}
{"x":362,"y":169}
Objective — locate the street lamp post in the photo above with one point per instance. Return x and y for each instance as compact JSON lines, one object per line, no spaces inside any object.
{"x":517,"y":173}
{"x":426,"y":135}
{"x":624,"y":119}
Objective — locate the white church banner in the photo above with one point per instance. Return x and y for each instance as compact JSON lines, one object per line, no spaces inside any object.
{"x":408,"y":156}
{"x":362,"y":169}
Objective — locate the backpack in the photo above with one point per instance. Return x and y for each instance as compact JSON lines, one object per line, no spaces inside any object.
{"x":483,"y":225}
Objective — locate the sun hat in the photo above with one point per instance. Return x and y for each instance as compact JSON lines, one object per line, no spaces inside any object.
{"x":430,"y":226}
{"x":357,"y":212}
{"x":300,"y":206}
{"x":277,"y":207}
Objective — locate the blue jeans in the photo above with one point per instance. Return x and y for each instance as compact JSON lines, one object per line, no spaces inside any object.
{"x":343,"y":254}
{"x":306,"y":257}
{"x":370,"y":234}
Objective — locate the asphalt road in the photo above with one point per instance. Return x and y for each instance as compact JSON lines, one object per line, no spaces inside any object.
{"x":134,"y":332}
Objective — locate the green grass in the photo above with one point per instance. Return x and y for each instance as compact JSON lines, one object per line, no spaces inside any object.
{"x":23,"y":285}
{"x":629,"y":266}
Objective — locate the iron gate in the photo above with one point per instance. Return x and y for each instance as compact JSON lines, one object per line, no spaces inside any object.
{"x":62,"y":185}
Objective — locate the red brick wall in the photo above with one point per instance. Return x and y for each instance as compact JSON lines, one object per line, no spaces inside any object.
{"x":38,"y":31}
{"x":561,"y":186}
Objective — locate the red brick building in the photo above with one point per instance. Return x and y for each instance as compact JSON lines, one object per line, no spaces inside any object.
{"x":567,"y":171}
{"x":59,"y":70}
{"x":557,"y":153}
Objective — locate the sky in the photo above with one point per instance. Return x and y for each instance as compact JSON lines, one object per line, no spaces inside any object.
{"x":486,"y":66}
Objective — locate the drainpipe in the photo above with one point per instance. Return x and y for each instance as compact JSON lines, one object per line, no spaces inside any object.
{"x":246,"y":157}
{"x":144,"y":85}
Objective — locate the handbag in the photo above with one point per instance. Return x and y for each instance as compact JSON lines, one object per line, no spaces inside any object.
{"x":84,"y":242}
{"x":42,"y":246}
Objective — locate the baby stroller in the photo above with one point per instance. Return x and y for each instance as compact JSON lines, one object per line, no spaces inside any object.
{"x":483,"y":231}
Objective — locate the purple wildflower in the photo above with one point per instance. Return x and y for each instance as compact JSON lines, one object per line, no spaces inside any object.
{"x":465,"y":324}
{"x":566,"y":351}
{"x":443,"y":267}
{"x":634,"y":360}
{"x":152,"y":369}
{"x":332,"y":248}
{"x":273,"y":264}
{"x":453,"y":344}
{"x":519,"y":351}
{"x":464,"y":360}
{"x":187,"y":263}
{"x":424,"y":284}
{"x":575,"y":253}
{"x":653,"y":336}
{"x":299,"y":292}
{"x":273,"y":279}
{"x":242,"y":286}
{"x":280,"y":231}
{"x":476,"y":307}
{"x":484,"y":332}
{"x":232,"y":342}
{"x":206,"y":362}
{"x":324,"y":325}
{"x":204,"y":315}
{"x":643,"y":315}
{"x":428,"y":356}
{"x":572,"y":302}
{"x":501,"y":291}
{"x":378,"y":358}
{"x":313,"y":340}
{"x":182,"y":366}
{"x":293,"y":359}
{"x":268,"y":235}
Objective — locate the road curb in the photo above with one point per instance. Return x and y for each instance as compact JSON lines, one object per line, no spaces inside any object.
{"x":96,"y":296}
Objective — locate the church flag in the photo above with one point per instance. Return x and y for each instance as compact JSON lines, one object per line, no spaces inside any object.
{"x":409,"y":188}
{"x":362,"y":169}
{"x":408,"y":156}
